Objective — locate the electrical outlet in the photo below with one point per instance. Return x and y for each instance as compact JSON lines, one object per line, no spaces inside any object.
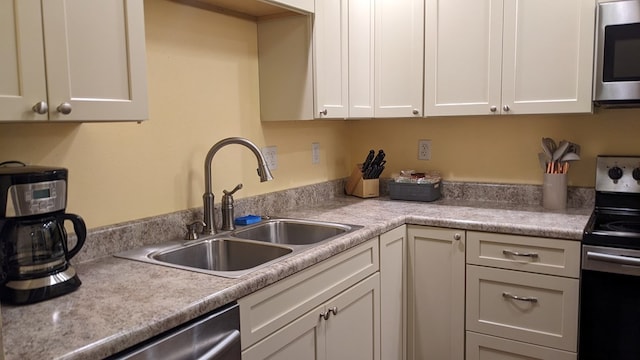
{"x":315,"y":153}
{"x":271,"y":156}
{"x":424,"y":149}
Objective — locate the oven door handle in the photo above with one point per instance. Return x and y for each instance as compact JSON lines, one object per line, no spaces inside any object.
{"x":615,"y":259}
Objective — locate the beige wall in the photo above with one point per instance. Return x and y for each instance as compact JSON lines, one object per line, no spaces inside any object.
{"x":498,"y":148}
{"x":203,"y":86}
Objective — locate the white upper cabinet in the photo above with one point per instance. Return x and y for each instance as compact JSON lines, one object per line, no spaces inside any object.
{"x":306,"y":6}
{"x":331,"y":59}
{"x":399,"y":45}
{"x":343,"y":68}
{"x":80,"y":61}
{"x":508,"y":56}
{"x":361,"y":61}
{"x":463,"y":56}
{"x":22,"y":74}
{"x":548,"y":56}
{"x":368,"y":58}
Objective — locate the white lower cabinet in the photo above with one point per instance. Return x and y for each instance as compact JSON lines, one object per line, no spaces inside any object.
{"x":346,"y":327}
{"x":328,"y":311}
{"x":436,"y":301}
{"x":521,"y":297}
{"x":420,"y":292}
{"x":485,"y":347}
{"x":393,"y":294}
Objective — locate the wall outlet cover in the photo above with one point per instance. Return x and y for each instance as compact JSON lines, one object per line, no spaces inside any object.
{"x":424,"y":149}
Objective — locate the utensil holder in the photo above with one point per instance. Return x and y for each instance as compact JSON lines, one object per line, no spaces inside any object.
{"x":364,"y":188}
{"x":554,"y":191}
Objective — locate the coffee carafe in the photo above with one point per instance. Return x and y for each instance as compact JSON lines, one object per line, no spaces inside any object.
{"x":34,"y":248}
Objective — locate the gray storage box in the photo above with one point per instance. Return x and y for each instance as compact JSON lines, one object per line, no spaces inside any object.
{"x":414,"y":191}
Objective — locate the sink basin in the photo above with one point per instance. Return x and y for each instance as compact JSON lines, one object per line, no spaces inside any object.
{"x":292,"y":231}
{"x":221,"y":255}
{"x":237,"y":253}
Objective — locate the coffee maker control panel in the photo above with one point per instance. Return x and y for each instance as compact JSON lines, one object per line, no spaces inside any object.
{"x":36,"y":198}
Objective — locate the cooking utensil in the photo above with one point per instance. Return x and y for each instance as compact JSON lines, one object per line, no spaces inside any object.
{"x":550,"y":145}
{"x":379,"y":169}
{"x":378,"y":159}
{"x":570,"y":156}
{"x":560,"y":151}
{"x":368,"y":160}
{"x":546,"y":148}
{"x":574,"y":148}
{"x":544,"y":159}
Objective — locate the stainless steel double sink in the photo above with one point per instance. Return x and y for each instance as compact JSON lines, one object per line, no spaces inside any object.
{"x":244,"y":250}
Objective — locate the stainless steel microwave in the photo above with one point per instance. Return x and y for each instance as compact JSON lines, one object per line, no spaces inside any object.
{"x":617,"y":54}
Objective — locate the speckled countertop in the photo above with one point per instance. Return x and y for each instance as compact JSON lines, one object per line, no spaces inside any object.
{"x":123,"y":302}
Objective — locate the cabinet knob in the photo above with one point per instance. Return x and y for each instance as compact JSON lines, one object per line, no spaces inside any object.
{"x":457,"y":236}
{"x":327,"y":314}
{"x":41,"y":108}
{"x":324,"y":112}
{"x":493,"y":108}
{"x":64,"y":108}
{"x":506,"y":108}
{"x":416,"y":112}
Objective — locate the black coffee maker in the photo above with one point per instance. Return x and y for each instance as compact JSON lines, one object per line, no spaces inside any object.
{"x":34,"y":252}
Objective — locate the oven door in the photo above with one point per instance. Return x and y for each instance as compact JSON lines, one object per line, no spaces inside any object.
{"x":609,"y":304}
{"x":617,"y":68}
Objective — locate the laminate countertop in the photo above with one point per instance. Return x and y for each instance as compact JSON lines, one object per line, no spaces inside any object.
{"x":123,"y":302}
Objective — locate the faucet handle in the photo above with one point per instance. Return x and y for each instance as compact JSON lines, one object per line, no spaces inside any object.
{"x":229,"y":193}
{"x":192,"y":230}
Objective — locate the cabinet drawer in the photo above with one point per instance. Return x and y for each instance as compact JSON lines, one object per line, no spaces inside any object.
{"x":524,"y":253}
{"x":533,"y":308}
{"x":269,"y":309}
{"x":485,"y":347}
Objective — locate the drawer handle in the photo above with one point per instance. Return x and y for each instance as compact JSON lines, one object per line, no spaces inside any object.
{"x":515,"y":253}
{"x":530,"y":299}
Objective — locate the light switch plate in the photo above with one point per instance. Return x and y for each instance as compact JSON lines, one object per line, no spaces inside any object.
{"x":315,"y":153}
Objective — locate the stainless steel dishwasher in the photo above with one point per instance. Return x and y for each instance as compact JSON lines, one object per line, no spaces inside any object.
{"x":215,"y":336}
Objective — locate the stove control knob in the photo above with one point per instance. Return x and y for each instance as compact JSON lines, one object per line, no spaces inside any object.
{"x":636,"y":174}
{"x":615,"y":173}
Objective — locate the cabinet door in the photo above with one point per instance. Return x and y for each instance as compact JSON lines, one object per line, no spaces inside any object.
{"x":361,"y":30}
{"x":436,"y":293}
{"x":399,"y":44}
{"x":22,"y":72}
{"x":548,"y":56}
{"x":331,"y":59}
{"x":463,"y":57}
{"x":393,"y":293}
{"x":303,"y":339}
{"x":95,"y":59}
{"x":353,"y":331}
{"x":346,"y":327}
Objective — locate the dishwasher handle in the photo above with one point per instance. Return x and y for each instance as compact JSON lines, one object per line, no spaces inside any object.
{"x":222,"y":348}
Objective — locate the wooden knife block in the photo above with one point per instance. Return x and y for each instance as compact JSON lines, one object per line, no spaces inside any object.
{"x":364,"y":188}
